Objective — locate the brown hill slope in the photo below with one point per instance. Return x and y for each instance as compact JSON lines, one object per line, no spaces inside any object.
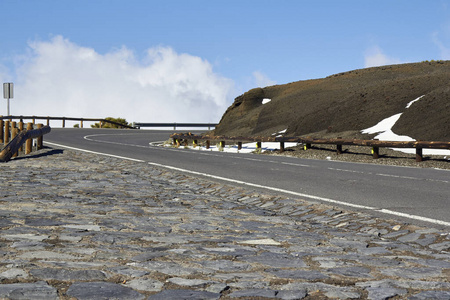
{"x":344,"y":104}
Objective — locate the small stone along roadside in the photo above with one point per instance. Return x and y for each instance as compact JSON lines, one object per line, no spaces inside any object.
{"x":83,"y":226}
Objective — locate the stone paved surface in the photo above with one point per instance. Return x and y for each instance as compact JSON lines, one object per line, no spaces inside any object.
{"x":81,"y":226}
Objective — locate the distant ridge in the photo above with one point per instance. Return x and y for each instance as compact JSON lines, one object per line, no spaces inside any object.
{"x":346,"y":103}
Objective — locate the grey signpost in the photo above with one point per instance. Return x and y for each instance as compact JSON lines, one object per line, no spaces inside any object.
{"x":8,"y":92}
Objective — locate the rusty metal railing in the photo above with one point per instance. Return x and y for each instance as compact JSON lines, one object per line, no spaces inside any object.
{"x":175,"y":125}
{"x":308,"y":142}
{"x":64,"y":119}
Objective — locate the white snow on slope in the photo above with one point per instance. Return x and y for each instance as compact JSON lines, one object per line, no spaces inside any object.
{"x":266,"y":100}
{"x":385,"y":133}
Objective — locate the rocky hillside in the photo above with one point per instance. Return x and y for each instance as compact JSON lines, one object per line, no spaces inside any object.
{"x":344,"y":104}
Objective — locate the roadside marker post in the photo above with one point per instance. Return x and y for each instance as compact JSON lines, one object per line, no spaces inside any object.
{"x":8,"y":93}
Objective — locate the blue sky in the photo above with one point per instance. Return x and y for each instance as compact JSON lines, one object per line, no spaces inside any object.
{"x":200,"y":49}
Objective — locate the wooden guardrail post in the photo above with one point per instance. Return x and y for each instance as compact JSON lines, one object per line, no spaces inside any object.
{"x":281,"y":147}
{"x":419,"y":154}
{"x":208,"y":144}
{"x":63,"y":122}
{"x":177,"y":143}
{"x":81,"y":123}
{"x":40,"y":139}
{"x":48,"y":121}
{"x":1,"y":130}
{"x":258,"y":146}
{"x":239,"y":145}
{"x":29,"y":142}
{"x":375,"y":152}
{"x":339,"y":149}
{"x":20,"y":129}
{"x":6,"y":131}
{"x":14,"y":132}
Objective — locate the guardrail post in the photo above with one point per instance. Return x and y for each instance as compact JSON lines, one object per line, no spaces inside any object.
{"x":48,"y":121}
{"x":6,"y":136}
{"x":40,"y":139}
{"x":239,"y":145}
{"x":339,"y":149}
{"x":81,"y":123}
{"x":375,"y":152}
{"x":281,"y":147}
{"x":29,"y":142}
{"x":208,"y":144}
{"x":1,"y":130}
{"x":13,"y":135}
{"x":307,"y":146}
{"x":258,"y":146}
{"x":63,"y":122}
{"x":419,"y":154}
{"x":195,"y":143}
{"x":20,"y":129}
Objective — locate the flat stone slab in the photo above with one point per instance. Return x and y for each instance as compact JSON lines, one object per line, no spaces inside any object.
{"x":68,"y":275}
{"x":102,"y":290}
{"x":184,"y":294}
{"x":35,"y":290}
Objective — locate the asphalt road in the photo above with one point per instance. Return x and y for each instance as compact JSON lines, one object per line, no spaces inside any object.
{"x":414,"y":195}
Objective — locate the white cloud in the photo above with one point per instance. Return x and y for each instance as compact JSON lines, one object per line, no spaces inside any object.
{"x":444,"y":51}
{"x":261,"y":80}
{"x":60,"y":78}
{"x":375,"y":57}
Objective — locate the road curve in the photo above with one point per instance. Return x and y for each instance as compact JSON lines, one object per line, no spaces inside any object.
{"x":414,"y":195}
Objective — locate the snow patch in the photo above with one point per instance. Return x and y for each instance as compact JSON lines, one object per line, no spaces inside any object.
{"x":415,"y":100}
{"x":266,"y":100}
{"x":279,"y":133}
{"x":246,"y":148}
{"x":385,"y":133}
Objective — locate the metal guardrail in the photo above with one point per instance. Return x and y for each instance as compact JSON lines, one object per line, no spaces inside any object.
{"x":64,"y":119}
{"x":175,"y":125}
{"x":19,"y":138}
{"x":308,"y":142}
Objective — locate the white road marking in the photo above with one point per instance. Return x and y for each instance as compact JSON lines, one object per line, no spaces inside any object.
{"x":382,"y":210}
{"x":93,"y":152}
{"x":412,"y":178}
{"x":295,"y":165}
{"x":389,"y":175}
{"x":350,"y":171}
{"x":328,"y":200}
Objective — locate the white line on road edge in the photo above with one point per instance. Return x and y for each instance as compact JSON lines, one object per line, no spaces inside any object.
{"x":88,"y":151}
{"x":264,"y":187}
{"x":385,"y":211}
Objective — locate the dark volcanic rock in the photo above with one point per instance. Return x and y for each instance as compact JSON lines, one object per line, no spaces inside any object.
{"x":346,"y":103}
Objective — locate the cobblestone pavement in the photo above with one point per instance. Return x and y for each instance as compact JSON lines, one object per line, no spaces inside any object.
{"x":82,"y":226}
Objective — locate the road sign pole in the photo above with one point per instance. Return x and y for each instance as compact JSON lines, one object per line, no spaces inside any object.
{"x":8,"y":93}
